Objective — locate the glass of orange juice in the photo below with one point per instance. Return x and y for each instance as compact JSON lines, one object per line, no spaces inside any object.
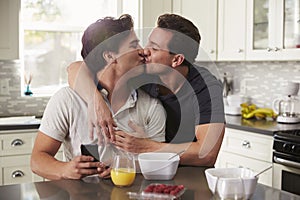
{"x":123,"y":170}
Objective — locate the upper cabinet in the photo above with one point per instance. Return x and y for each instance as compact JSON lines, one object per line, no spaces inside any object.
{"x":232,"y":30}
{"x":150,"y":10}
{"x":274,"y":30}
{"x":203,"y":14}
{"x":9,"y":34}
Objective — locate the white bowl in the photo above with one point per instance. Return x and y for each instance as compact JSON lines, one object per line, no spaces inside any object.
{"x":156,"y":166}
{"x":231,"y":175}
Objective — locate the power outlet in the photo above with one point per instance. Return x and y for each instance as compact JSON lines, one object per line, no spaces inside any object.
{"x":4,"y":87}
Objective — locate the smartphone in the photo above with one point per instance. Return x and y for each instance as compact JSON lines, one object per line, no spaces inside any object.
{"x":90,"y":150}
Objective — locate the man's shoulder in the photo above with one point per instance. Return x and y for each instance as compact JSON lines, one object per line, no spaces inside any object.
{"x":64,"y":91}
{"x":65,"y":95}
{"x":200,"y":72}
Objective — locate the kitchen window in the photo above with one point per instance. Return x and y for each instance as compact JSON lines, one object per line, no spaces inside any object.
{"x":52,"y":31}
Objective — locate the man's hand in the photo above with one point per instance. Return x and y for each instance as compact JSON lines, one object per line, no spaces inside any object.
{"x":81,"y":166}
{"x":100,"y":117}
{"x":134,"y":144}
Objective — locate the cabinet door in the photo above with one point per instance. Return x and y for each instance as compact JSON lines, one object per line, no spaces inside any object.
{"x":150,"y":10}
{"x":232,"y":29}
{"x":9,"y":34}
{"x":251,"y":145}
{"x":16,"y":169}
{"x":288,"y":28}
{"x":274,"y":30}
{"x":228,"y":160}
{"x":203,"y":14}
{"x":17,"y":142}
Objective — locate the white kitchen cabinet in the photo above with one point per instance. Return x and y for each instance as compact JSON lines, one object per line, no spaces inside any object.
{"x":15,"y":151}
{"x":203,"y":14}
{"x":9,"y":34}
{"x":274,"y":30}
{"x":150,"y":10}
{"x":232,"y":30}
{"x":249,"y":150}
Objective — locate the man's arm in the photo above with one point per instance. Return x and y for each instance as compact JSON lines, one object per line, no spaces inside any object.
{"x":203,"y":152}
{"x":99,"y":115}
{"x":46,"y":165}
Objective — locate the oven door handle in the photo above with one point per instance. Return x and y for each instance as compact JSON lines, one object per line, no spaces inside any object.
{"x":286,"y":162}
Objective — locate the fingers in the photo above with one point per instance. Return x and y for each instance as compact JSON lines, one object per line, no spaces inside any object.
{"x":137,"y":129}
{"x":111,"y":132}
{"x":103,"y":126}
{"x":91,"y":130}
{"x":99,"y":135}
{"x":84,"y":166}
{"x":104,"y":173}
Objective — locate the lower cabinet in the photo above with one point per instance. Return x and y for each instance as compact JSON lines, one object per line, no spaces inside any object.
{"x":16,"y":169}
{"x":15,"y":152}
{"x":249,"y":150}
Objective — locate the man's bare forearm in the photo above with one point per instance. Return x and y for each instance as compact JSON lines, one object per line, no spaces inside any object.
{"x":80,"y":80}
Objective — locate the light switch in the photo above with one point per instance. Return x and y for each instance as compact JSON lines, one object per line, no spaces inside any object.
{"x":4,"y":87}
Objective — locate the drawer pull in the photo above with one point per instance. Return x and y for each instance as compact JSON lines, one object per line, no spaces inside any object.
{"x":17,"y":142}
{"x":246,"y":144}
{"x":17,"y":174}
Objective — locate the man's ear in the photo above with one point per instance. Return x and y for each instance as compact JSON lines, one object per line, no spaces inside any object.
{"x":109,"y":56}
{"x":177,"y":60}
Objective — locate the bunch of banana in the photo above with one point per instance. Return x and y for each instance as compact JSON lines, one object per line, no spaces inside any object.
{"x":250,"y":111}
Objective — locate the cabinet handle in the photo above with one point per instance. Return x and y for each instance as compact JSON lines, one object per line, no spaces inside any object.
{"x":246,"y":144}
{"x":240,"y":51}
{"x":211,"y":51}
{"x":17,"y":174}
{"x":269,"y":49}
{"x":276,"y":49}
{"x":17,"y":142}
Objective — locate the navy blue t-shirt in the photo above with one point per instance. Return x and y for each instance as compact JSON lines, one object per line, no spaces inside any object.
{"x":199,"y":101}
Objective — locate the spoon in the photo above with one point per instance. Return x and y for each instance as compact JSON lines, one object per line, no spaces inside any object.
{"x":178,"y":153}
{"x":262,"y":171}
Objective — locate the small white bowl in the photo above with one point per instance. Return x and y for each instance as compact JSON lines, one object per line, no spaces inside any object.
{"x":156,"y":166}
{"x":230,"y":174}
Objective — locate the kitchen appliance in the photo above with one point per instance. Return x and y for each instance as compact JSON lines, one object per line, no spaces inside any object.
{"x":286,"y":160}
{"x":287,"y":106}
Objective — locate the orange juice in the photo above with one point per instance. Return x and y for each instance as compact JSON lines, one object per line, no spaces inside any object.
{"x":122,"y":176}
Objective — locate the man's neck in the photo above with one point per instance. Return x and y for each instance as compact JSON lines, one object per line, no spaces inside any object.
{"x":118,"y":91}
{"x":174,"y":80}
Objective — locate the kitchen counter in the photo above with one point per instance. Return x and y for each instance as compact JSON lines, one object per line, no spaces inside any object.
{"x":19,"y":123}
{"x":266,"y":127}
{"x":193,"y":178}
{"x":236,"y":122}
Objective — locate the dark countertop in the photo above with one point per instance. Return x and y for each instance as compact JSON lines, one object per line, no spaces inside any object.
{"x":19,"y":127}
{"x":266,"y":127}
{"x":19,"y":123}
{"x":193,"y":178}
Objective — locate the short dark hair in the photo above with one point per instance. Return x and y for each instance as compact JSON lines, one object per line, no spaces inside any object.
{"x":186,"y":37}
{"x":106,"y":34}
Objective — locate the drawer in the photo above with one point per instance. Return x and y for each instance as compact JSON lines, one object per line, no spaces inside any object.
{"x":248,"y":144}
{"x":229,"y":160}
{"x":17,"y":143}
{"x":16,"y":169}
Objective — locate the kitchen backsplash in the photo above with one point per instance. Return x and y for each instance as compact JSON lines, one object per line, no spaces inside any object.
{"x":15,"y":104}
{"x":263,"y":83}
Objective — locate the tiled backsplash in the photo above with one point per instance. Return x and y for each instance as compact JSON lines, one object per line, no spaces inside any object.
{"x":264,"y":80}
{"x":14,"y":104}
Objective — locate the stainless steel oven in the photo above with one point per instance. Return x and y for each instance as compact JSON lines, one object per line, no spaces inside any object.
{"x":286,"y":161}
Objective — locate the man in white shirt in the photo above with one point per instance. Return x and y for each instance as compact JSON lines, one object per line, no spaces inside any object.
{"x":113,"y":55}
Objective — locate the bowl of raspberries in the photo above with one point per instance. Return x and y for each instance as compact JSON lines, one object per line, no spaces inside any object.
{"x":159,"y":191}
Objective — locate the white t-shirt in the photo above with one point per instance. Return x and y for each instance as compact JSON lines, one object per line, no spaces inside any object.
{"x":66,"y":119}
